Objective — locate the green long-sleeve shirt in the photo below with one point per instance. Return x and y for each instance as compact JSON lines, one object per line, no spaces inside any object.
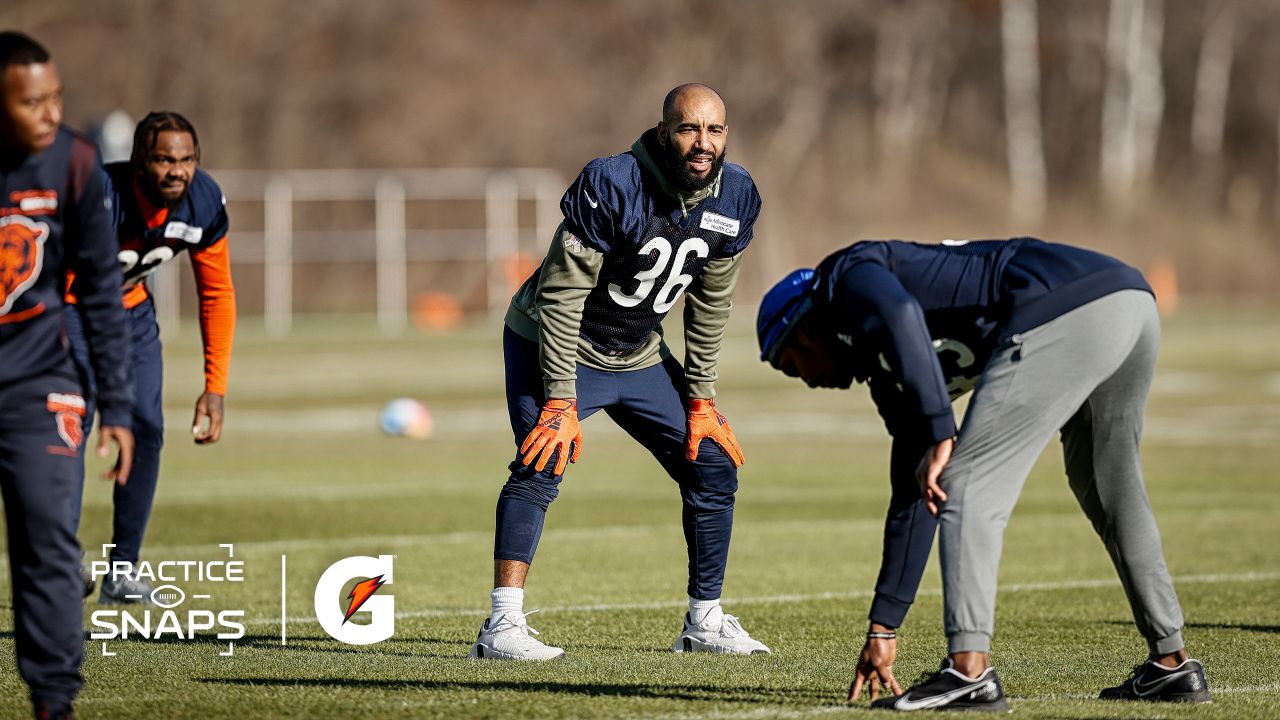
{"x":549,"y":313}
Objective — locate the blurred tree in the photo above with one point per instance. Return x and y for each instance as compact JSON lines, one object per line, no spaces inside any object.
{"x":1020,"y":32}
{"x":911,"y":118}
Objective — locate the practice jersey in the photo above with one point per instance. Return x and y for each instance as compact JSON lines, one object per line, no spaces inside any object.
{"x":653,"y":248}
{"x":151,"y":236}
{"x":55,"y":217}
{"x":919,"y":322}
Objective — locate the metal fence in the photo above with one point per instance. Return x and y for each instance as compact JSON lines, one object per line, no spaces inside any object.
{"x":277,"y":248}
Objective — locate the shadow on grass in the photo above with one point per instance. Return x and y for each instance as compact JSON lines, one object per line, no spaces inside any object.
{"x":1246,"y":627}
{"x":454,"y":647}
{"x":312,"y":643}
{"x":450,"y":647}
{"x":705,"y":693}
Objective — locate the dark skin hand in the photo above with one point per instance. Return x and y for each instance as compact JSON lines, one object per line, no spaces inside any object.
{"x":928,"y":473}
{"x":122,"y":437}
{"x":875,"y":666}
{"x":208,"y":406}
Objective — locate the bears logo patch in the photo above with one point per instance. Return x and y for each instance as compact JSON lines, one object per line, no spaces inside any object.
{"x":68,"y":412}
{"x":21,"y":257}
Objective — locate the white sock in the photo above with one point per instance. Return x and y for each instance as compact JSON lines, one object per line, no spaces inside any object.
{"x":505,"y":600}
{"x":700,"y":609}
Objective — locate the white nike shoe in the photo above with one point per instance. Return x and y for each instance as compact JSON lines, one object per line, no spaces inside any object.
{"x":507,"y":638}
{"x":718,"y":633}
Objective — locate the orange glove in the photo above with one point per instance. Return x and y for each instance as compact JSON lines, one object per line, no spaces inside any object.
{"x":706,"y":421}
{"x":557,"y":428}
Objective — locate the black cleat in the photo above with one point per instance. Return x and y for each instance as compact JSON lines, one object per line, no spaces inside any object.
{"x":1154,"y":682}
{"x":949,"y":689}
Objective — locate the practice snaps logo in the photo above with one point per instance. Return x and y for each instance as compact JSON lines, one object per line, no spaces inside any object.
{"x":157,"y":608}
{"x":335,"y":611}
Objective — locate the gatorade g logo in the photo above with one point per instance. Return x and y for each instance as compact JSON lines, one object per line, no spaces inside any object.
{"x":334,"y":608}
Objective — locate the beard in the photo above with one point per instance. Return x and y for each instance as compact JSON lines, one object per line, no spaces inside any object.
{"x":680,"y":175}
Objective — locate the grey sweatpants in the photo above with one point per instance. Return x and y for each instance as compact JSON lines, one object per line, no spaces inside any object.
{"x":1086,"y":373}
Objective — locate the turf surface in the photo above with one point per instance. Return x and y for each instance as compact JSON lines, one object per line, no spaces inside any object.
{"x":302,"y":472}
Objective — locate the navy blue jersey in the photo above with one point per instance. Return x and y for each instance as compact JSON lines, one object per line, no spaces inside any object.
{"x":55,"y":217}
{"x":150,"y":237}
{"x":919,"y":322}
{"x":652,"y":249}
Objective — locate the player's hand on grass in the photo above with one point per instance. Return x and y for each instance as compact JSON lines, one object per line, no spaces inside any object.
{"x":208,"y":407}
{"x":557,"y":429}
{"x":705,"y":421}
{"x":928,"y":472}
{"x":875,"y":665}
{"x":122,"y":437}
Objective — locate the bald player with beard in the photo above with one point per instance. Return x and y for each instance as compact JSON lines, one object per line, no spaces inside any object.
{"x":583,"y":333}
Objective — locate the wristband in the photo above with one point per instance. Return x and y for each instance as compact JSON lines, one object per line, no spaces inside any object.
{"x":882,"y":636}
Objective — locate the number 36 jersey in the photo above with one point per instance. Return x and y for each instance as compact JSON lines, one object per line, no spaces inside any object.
{"x":653,"y":246}
{"x":150,"y":236}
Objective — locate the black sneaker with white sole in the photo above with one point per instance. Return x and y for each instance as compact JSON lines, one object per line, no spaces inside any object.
{"x":949,"y":689}
{"x":1154,"y":682}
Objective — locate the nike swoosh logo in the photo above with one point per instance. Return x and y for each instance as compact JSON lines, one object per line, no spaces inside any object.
{"x":590,"y":202}
{"x":906,"y":703}
{"x":1151,"y":688}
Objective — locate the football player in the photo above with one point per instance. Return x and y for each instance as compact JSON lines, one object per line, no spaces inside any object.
{"x":164,"y":205}
{"x":1051,"y":339}
{"x":55,"y":216}
{"x":665,"y":219}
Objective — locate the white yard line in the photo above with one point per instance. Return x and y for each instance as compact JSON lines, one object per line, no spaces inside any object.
{"x":803,"y":597}
{"x":387,"y":542}
{"x":1204,"y":426}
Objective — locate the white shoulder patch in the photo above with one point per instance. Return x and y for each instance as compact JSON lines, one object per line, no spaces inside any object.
{"x":719,"y":223}
{"x":184,"y":232}
{"x":38,"y":202}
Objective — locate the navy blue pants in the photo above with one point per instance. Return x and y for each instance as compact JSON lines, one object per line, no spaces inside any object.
{"x":132,"y":501}
{"x":39,"y":453}
{"x":650,"y":404}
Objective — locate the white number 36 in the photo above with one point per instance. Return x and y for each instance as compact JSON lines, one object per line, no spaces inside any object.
{"x":676,"y":281}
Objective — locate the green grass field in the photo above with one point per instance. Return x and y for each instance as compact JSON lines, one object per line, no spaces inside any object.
{"x":303,"y":472}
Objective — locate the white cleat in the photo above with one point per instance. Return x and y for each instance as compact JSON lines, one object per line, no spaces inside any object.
{"x":718,"y":633}
{"x":507,"y":638}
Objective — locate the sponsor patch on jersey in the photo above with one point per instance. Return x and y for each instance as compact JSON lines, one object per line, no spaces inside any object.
{"x":719,"y":223}
{"x":36,"y":202}
{"x":184,"y":232}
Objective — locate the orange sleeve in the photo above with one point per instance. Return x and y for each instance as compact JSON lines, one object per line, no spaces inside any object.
{"x":212,"y":267}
